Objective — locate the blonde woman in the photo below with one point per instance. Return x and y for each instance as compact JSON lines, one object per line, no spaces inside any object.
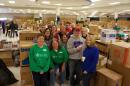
{"x":89,"y":60}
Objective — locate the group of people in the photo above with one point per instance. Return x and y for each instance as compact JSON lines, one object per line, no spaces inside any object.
{"x":69,"y":54}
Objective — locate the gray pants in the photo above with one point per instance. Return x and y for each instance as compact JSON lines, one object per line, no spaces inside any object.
{"x":75,"y":70}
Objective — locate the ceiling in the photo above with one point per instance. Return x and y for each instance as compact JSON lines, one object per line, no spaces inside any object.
{"x":72,"y":7}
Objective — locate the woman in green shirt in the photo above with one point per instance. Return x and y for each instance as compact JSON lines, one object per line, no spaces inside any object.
{"x":39,"y":59}
{"x":59,"y":56}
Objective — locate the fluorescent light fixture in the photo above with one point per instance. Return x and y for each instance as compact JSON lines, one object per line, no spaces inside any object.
{"x":32,"y":0}
{"x":58,"y":4}
{"x":45,"y":2}
{"x":3,"y":18}
{"x":69,"y":8}
{"x":2,"y":4}
{"x":102,"y":14}
{"x":12,"y":2}
{"x":82,"y":11}
{"x":123,"y":11}
{"x":29,"y":10}
{"x":75,"y":13}
{"x":43,"y":10}
{"x":92,"y":4}
{"x":126,"y":10}
{"x":115,"y":3}
{"x":93,"y":14}
{"x":86,"y":7}
{"x":95,"y":0}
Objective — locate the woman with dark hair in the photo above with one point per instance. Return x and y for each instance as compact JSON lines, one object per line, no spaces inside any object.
{"x":64,"y":40}
{"x":39,"y":62}
{"x":47,"y":36}
{"x":59,"y":56}
{"x":55,"y":33}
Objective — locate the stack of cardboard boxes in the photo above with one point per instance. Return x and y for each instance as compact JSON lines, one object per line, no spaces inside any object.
{"x":119,"y":60}
{"x":94,"y":29}
{"x":26,"y":42}
{"x":107,"y":77}
{"x":102,"y":62}
{"x":26,"y":77}
{"x":103,"y":47}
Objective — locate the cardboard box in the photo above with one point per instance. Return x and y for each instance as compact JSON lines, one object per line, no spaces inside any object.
{"x":6,"y":56}
{"x":120,"y":53}
{"x":24,"y":51}
{"x":121,"y":69}
{"x":108,"y":35}
{"x":26,"y":76}
{"x":101,"y":62}
{"x":107,"y":77}
{"x":28,"y":35}
{"x":94,"y":29}
{"x":103,"y":47}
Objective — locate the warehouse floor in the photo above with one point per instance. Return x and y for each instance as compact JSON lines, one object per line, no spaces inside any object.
{"x":16,"y":72}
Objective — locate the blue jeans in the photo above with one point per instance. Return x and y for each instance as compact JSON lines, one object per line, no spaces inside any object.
{"x":53,"y":75}
{"x":75,"y":69}
{"x":87,"y":78}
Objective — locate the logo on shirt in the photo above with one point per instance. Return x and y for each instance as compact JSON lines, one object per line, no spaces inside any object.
{"x":44,"y":50}
{"x":60,"y":52}
{"x":77,"y":43}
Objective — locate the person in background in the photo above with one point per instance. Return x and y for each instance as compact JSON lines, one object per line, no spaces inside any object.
{"x":16,"y":28}
{"x":7,"y":29}
{"x":42,"y":29}
{"x":89,"y":60}
{"x":75,"y":47}
{"x":59,"y":57}
{"x":85,"y":32}
{"x":55,"y":33}
{"x":3,"y":26}
{"x":12,"y":28}
{"x":64,"y":40}
{"x":68,"y":29}
{"x":39,"y":62}
{"x":62,"y":30}
{"x":47,"y":35}
{"x":71,"y":32}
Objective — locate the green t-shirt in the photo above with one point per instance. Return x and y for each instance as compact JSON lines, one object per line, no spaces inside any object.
{"x":59,"y":57}
{"x":39,"y":58}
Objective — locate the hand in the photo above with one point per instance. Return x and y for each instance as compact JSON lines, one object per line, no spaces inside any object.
{"x":41,"y":72}
{"x":63,"y":67}
{"x":79,"y":48}
{"x":85,"y":72}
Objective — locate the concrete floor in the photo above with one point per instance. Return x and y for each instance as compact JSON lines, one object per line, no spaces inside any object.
{"x":16,"y":72}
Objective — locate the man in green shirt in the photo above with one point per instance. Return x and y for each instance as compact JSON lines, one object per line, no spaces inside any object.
{"x":39,"y":59}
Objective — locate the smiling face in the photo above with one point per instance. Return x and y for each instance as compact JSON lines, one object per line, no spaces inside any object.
{"x":84,"y":32}
{"x":55,"y":45}
{"x":77,"y":32}
{"x":40,"y":40}
{"x":64,"y":38}
{"x":47,"y":33}
{"x":90,"y":41}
